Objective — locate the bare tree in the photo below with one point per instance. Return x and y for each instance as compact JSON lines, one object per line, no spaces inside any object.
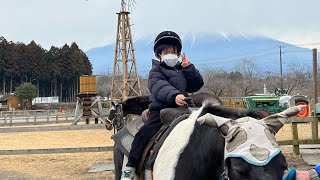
{"x":216,"y":81}
{"x":249,"y":82}
{"x":272,"y":81}
{"x":144,"y":86}
{"x":104,"y":85}
{"x":297,"y":79}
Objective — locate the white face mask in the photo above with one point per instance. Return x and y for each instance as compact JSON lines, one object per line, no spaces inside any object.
{"x":170,"y":59}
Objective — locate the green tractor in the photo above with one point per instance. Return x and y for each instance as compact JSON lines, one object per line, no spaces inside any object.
{"x":271,"y":104}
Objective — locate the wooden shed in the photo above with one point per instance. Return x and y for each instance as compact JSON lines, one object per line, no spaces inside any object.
{"x":8,"y":102}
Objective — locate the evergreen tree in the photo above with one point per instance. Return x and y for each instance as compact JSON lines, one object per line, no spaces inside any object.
{"x":4,"y":59}
{"x":55,"y":72}
{"x":25,"y":93}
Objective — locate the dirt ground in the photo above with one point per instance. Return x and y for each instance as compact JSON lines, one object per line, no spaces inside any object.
{"x":76,"y":165}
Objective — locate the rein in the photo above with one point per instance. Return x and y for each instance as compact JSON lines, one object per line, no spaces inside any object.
{"x":224,"y":175}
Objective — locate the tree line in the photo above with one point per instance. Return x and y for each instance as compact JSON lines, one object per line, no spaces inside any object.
{"x":248,"y":79}
{"x":55,"y":72}
{"x":245,"y":79}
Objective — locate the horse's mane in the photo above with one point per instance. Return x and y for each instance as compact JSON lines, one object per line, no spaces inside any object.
{"x":210,"y":102}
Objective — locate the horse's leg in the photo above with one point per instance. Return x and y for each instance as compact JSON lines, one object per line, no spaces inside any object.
{"x":118,"y":161}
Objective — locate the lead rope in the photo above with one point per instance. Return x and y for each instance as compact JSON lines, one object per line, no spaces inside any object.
{"x":224,"y":175}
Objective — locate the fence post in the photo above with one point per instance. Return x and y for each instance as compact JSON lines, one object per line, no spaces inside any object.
{"x":10,"y":120}
{"x":294,"y":129}
{"x":66,"y":117}
{"x":35,"y":120}
{"x":27,"y":119}
{"x":47,"y":117}
{"x":314,"y":125}
{"x":5,"y":120}
{"x":57,"y":118}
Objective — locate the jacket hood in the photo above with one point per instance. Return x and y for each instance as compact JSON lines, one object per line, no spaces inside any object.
{"x":155,"y":62}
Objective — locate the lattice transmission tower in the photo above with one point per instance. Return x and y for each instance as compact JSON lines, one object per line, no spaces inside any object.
{"x":125,"y":79}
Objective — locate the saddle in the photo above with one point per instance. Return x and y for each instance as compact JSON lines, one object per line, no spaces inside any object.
{"x":167,"y":115}
{"x":170,"y":117}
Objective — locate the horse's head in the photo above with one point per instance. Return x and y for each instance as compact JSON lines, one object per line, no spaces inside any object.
{"x":116,"y":115}
{"x":112,"y":111}
{"x":252,"y":151}
{"x":135,"y":105}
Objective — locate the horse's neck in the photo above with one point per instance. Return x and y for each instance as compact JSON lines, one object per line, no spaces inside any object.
{"x":133,"y":109}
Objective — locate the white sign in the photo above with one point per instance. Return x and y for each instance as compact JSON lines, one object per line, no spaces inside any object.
{"x":45,"y":100}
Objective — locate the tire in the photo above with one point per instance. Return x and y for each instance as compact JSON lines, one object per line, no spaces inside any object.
{"x":304,"y":112}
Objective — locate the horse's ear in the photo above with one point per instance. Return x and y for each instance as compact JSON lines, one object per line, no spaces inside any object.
{"x":208,"y":119}
{"x":212,"y":120}
{"x":113,"y":103}
{"x":223,"y":124}
{"x":276,"y":121}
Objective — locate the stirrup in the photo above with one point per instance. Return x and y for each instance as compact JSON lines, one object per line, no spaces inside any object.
{"x":128,"y":174}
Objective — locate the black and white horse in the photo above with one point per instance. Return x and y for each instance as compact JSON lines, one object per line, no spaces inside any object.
{"x":252,"y":151}
{"x":193,"y":151}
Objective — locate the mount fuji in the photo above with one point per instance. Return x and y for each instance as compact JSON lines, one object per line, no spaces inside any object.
{"x":222,"y":51}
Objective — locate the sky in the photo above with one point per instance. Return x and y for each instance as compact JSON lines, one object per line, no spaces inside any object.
{"x":93,"y":23}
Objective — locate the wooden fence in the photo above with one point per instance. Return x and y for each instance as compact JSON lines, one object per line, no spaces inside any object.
{"x":35,"y":119}
{"x":9,"y":120}
{"x":57,"y":150}
{"x":54,"y":150}
{"x":34,"y":112}
{"x":295,"y":142}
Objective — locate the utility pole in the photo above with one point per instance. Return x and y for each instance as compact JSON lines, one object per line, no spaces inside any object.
{"x":281,"y":85}
{"x":314,"y":125}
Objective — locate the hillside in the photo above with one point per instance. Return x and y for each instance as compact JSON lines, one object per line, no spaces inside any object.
{"x":211,"y":51}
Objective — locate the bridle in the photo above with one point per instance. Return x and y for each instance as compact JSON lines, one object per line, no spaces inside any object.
{"x":118,"y":121}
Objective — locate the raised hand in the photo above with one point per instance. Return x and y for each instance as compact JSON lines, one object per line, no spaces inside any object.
{"x":185,"y":61}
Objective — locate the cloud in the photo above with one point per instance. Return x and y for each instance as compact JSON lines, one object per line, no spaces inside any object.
{"x":93,"y":23}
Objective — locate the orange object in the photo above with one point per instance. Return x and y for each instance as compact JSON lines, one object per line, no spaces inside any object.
{"x":152,"y":175}
{"x":304,"y":112}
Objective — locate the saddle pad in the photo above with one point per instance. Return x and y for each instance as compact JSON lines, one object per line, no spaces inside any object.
{"x":125,"y":136}
{"x":157,"y":146}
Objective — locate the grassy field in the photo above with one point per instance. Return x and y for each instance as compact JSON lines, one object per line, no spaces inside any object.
{"x":76,"y":165}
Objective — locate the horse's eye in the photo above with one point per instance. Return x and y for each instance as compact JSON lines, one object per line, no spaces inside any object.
{"x":238,"y":169}
{"x":239,"y":174}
